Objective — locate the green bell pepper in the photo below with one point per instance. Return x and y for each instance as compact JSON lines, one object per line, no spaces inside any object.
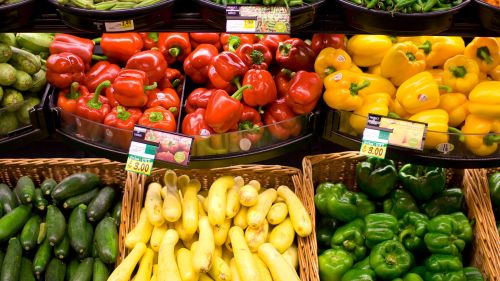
{"x":390,"y":260}
{"x":350,"y":238}
{"x":379,"y":228}
{"x":333,"y":263}
{"x":325,"y":227}
{"x":359,"y":275}
{"x":447,"y":202}
{"x":419,"y":270}
{"x":473,"y":274}
{"x":410,"y":277}
{"x":444,"y":268}
{"x":494,"y":184}
{"x":422,"y":181}
{"x":413,"y":227}
{"x":364,"y":264}
{"x":448,"y":234}
{"x":376,"y":177}
{"x":337,"y":202}
{"x":400,"y":203}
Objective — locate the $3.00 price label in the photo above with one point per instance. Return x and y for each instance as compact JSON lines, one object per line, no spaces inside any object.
{"x":374,"y":149}
{"x":140,"y":165}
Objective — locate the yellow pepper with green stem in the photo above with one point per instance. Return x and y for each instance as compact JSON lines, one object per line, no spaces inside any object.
{"x":330,"y":60}
{"x":437,"y":126}
{"x":438,"y":49}
{"x":484,"y":99}
{"x":481,"y":135}
{"x":418,"y":93}
{"x":377,"y":103}
{"x":456,"y":105}
{"x":485,"y":51}
{"x":461,"y":73}
{"x":368,"y":50}
{"x":402,"y":61}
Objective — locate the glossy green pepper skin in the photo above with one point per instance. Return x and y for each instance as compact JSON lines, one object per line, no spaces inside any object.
{"x":443,"y":268}
{"x":409,"y":277}
{"x":473,"y":274}
{"x":376,"y":177}
{"x":350,"y":237}
{"x":364,"y":264}
{"x":333,"y":263}
{"x":419,"y":270}
{"x":422,"y":181}
{"x":448,"y":234}
{"x":359,"y":275}
{"x":379,"y":228}
{"x":413,"y":227}
{"x":337,"y":202}
{"x":325,"y":227}
{"x":449,"y":201}
{"x":494,"y":185}
{"x":400,"y":203}
{"x":390,"y":260}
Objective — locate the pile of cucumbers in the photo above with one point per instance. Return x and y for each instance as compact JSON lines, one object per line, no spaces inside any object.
{"x":22,"y":76}
{"x":58,"y":231}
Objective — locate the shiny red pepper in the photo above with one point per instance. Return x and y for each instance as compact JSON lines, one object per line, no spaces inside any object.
{"x":263,"y":90}
{"x":281,"y":121}
{"x":119,"y":47}
{"x":197,"y":63}
{"x":323,"y":40}
{"x":124,"y":120}
{"x":173,"y":79}
{"x":282,"y":81}
{"x":82,"y":47}
{"x":166,"y":98}
{"x":251,"y":123}
{"x":150,"y":39}
{"x":194,"y":124}
{"x":295,"y":55}
{"x":158,"y":118}
{"x":198,"y":99}
{"x":174,"y":46}
{"x":304,"y":92}
{"x":99,"y":73}
{"x":130,"y":88}
{"x":231,"y":42}
{"x":205,"y":38}
{"x":152,"y":62}
{"x":224,"y":111}
{"x":110,"y":95}
{"x":67,"y":100}
{"x":255,"y":56}
{"x":272,"y":41}
{"x":92,"y":108}
{"x":64,"y":69}
{"x":226,"y":68}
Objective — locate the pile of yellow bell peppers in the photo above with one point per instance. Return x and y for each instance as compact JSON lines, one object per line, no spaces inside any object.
{"x":433,"y":79}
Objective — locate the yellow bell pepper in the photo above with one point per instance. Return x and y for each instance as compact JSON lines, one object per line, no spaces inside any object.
{"x":402,"y":61}
{"x":438,"y":49}
{"x":368,"y":50}
{"x":461,"y":73}
{"x":330,"y":60}
{"x":415,"y":39}
{"x":377,"y":103}
{"x":397,"y":108}
{"x":375,"y":69}
{"x":355,"y":68}
{"x":495,"y":73}
{"x":456,"y":105}
{"x":484,"y":99}
{"x":418,"y":93}
{"x":437,"y":126}
{"x":485,"y":51}
{"x":477,"y":134}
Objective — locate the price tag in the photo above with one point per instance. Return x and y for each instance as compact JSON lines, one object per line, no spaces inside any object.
{"x":141,"y":157}
{"x":374,"y":143}
{"x":257,"y":19}
{"x":119,"y":26}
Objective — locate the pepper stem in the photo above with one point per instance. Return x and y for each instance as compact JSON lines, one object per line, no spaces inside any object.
{"x":456,"y":131}
{"x":308,"y":42}
{"x":121,"y":113}
{"x":260,"y":109}
{"x":257,"y":57}
{"x":349,"y":245}
{"x":393,"y":115}
{"x":238,"y":95}
{"x":233,"y":43}
{"x":491,"y":139}
{"x":155,"y":117}
{"x":176,"y":83}
{"x":484,"y":54}
{"x":406,"y":232}
{"x":288,"y":72}
{"x":458,"y":71}
{"x":390,"y":259}
{"x":411,"y":56}
{"x":329,"y":70}
{"x":96,"y":57}
{"x":153,"y":36}
{"x":236,"y":81}
{"x":445,"y":88}
{"x":173,"y":109}
{"x":427,"y":47}
{"x":97,"y":40}
{"x":94,"y":102}
{"x":259,"y":36}
{"x":150,"y":87}
{"x":174,"y":51}
{"x":355,"y":88}
{"x":284,"y":48}
{"x":73,"y":91}
{"x":247,"y":125}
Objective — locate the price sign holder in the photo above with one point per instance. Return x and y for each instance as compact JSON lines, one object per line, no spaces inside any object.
{"x":118,"y":26}
{"x":142,"y":153}
{"x":257,"y":19}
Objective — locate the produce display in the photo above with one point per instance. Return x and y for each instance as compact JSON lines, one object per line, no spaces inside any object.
{"x":494,"y":186}
{"x":419,"y":232}
{"x":233,"y":231}
{"x":408,"y":6}
{"x":58,"y":231}
{"x":287,"y":3}
{"x":107,"y":4}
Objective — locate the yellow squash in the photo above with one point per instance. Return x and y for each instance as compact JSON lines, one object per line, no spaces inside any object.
{"x":241,"y":218}
{"x":298,"y":214}
{"x":282,"y":236}
{"x":217,"y":199}
{"x":256,"y":214}
{"x":124,"y":270}
{"x":203,"y":254}
{"x":220,"y":232}
{"x":277,"y":213}
{"x":190,"y":206}
{"x":172,"y":209}
{"x":280,"y":269}
{"x":220,"y":270}
{"x":157,"y":236}
{"x":264,"y":273}
{"x":141,"y":232}
{"x":245,"y":263}
{"x":256,"y":236}
{"x":145,"y":266}
{"x":185,"y":263}
{"x":233,"y":200}
{"x":153,"y":204}
{"x":167,"y":263}
{"x":249,"y":193}
{"x":291,"y":255}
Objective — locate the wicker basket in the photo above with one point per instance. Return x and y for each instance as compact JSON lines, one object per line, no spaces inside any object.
{"x":340,"y":167}
{"x":269,"y":176}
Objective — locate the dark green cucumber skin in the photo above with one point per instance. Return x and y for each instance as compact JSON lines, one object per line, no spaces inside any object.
{"x":83,"y":198}
{"x":100,"y":204}
{"x":7,"y":198}
{"x":26,"y":273}
{"x":42,"y":257}
{"x":25,"y":190}
{"x":47,"y":186}
{"x":80,"y":231}
{"x":101,"y":272}
{"x":61,"y":250}
{"x":71,"y":269}
{"x":117,"y":213}
{"x":73,"y":185}
{"x":13,"y":222}
{"x":84,"y":270}
{"x":11,"y":266}
{"x":106,"y":238}
{"x":56,"y":225}
{"x":39,"y":201}
{"x":56,"y":270}
{"x":30,"y":232}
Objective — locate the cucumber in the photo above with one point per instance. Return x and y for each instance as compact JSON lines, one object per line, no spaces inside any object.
{"x":23,"y":82}
{"x":39,"y":82}
{"x":39,"y":201}
{"x":9,"y":39}
{"x":71,"y":269}
{"x":84,"y":270}
{"x":100,"y":204}
{"x":56,"y":225}
{"x":47,"y":186}
{"x":7,"y":74}
{"x":30,"y":232}
{"x":56,"y":270}
{"x":13,"y":99}
{"x":42,"y":234}
{"x":13,"y":222}
{"x":75,"y":184}
{"x":34,"y":42}
{"x":25,"y":190}
{"x":95,"y":254}
{"x":11,"y":266}
{"x":42,"y":257}
{"x":117,"y":213}
{"x":25,"y":61}
{"x":80,"y":231}
{"x":83,"y":198}
{"x":100,"y":272}
{"x":26,"y":273}
{"x":7,"y":198}
{"x":106,"y":238}
{"x":2,"y":255}
{"x":61,"y":250}
{"x":5,"y":52}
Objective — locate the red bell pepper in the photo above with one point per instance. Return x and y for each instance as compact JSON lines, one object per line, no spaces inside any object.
{"x":64,"y":69}
{"x":322,"y":40}
{"x":194,"y":124}
{"x":152,"y":62}
{"x":149,"y":39}
{"x":255,"y":56}
{"x":166,"y":98}
{"x":304,"y":91}
{"x":295,"y":55}
{"x":263,"y":90}
{"x":226,"y":68}
{"x":158,"y":118}
{"x":231,"y":42}
{"x":198,"y":99}
{"x":92,"y":108}
{"x":124,"y":120}
{"x":197,"y":63}
{"x":204,"y":38}
{"x":110,"y":95}
{"x":99,"y":73}
{"x":119,"y":47}
{"x":130,"y":88}
{"x":82,"y":47}
{"x":67,"y":101}
{"x":282,"y":81}
{"x":251,"y":122}
{"x":174,"y":46}
{"x":173,"y":79}
{"x":224,"y":111}
{"x":272,"y":41}
{"x":281,"y":120}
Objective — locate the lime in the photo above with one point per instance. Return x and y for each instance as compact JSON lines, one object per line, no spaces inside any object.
{"x":179,"y":156}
